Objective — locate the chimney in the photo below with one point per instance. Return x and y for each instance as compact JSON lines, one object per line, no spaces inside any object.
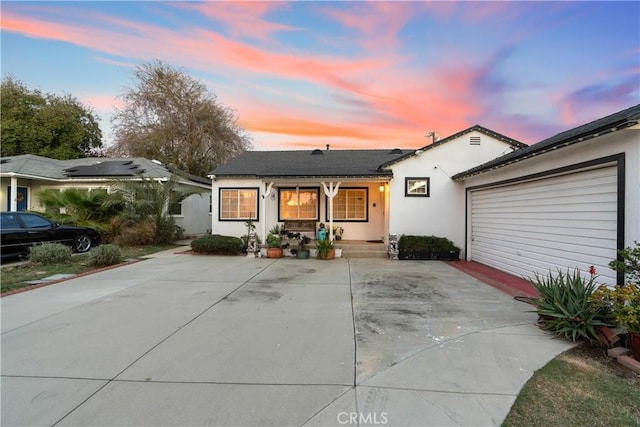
{"x":328,"y":147}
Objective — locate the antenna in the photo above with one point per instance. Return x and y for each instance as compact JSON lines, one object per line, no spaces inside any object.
{"x":433,"y":135}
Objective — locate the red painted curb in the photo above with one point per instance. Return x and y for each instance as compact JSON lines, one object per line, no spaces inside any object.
{"x":505,"y":282}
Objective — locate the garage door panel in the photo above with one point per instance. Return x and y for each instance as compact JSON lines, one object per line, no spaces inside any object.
{"x":543,"y":249}
{"x":527,"y":264}
{"x":561,"y":222}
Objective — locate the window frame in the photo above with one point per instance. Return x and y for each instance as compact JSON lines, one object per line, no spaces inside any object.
{"x":317,"y":191}
{"x":366,"y":205}
{"x":417,"y":178}
{"x":173,"y":205}
{"x":256,"y":217}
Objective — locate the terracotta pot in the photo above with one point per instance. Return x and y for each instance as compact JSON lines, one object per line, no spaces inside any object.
{"x":274,"y":252}
{"x":634,"y":344}
{"x":330,"y":255}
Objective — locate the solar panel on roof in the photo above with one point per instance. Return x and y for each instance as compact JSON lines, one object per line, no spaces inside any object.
{"x":106,"y":168}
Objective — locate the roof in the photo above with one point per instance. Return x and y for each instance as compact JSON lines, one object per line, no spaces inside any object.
{"x":32,"y":166}
{"x":477,"y":128}
{"x":309,"y":164}
{"x":611,"y":123}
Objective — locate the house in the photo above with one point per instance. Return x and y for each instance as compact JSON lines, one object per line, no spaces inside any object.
{"x":369,"y":193}
{"x":26,"y":175}
{"x":569,"y":201}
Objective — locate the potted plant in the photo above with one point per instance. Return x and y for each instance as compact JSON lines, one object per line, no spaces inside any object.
{"x":274,"y":243}
{"x":303,"y":251}
{"x":325,"y":249}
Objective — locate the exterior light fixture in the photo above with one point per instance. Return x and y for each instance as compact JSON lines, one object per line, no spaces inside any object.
{"x":382,"y":188}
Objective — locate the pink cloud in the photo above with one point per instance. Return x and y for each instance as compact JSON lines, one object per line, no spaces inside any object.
{"x":244,"y":19}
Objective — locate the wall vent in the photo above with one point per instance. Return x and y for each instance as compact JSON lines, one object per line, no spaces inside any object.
{"x":474,"y":140}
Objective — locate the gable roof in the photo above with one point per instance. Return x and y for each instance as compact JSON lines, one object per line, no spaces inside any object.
{"x":617,"y":121}
{"x":477,"y":128}
{"x":38,"y":167}
{"x":309,"y":164}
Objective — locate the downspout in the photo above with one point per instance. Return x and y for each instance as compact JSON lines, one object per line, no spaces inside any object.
{"x":331,"y":192}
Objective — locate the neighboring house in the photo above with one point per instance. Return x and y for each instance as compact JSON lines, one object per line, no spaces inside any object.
{"x":568,"y":201}
{"x":369,"y":193}
{"x":26,"y":175}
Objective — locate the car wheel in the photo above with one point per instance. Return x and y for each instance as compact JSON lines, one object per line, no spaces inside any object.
{"x":82,"y":243}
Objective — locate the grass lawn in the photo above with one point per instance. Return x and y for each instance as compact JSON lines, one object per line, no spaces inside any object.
{"x":14,"y":276}
{"x":581,"y":387}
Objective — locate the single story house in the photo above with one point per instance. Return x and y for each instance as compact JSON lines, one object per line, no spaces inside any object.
{"x":568,"y":201}
{"x":369,"y":193}
{"x":26,"y":175}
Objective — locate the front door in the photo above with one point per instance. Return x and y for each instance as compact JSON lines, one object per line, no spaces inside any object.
{"x":22,"y":198}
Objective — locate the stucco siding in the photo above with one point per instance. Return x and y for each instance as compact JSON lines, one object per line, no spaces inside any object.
{"x":443,"y":212}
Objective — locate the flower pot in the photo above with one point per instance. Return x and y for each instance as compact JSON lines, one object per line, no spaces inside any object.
{"x":330,"y":255}
{"x":634,"y":344}
{"x":302,"y":254}
{"x":274,"y":252}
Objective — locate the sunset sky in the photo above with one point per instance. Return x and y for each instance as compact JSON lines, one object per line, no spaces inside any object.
{"x":350,"y":74}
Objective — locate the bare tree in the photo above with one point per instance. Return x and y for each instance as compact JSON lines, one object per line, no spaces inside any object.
{"x":171,"y":117}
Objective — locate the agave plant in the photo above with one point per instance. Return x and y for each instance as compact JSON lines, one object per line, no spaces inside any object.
{"x":564,"y":305}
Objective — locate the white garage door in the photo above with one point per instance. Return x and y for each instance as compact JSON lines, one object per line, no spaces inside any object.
{"x":564,"y":221}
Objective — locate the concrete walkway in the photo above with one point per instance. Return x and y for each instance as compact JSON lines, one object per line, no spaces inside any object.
{"x":195,"y":340}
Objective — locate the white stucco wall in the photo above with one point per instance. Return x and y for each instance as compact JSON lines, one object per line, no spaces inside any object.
{"x":624,"y":141}
{"x":442,"y":213}
{"x":373,"y":229}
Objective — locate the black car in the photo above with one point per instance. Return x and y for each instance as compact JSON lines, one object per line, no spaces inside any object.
{"x":21,"y":230}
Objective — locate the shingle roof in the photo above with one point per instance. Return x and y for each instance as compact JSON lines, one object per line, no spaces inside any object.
{"x":306,"y":164}
{"x":478,"y":128}
{"x":611,"y":123}
{"x":29,"y":165}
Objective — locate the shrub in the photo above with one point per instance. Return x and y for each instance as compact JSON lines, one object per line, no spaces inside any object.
{"x":628,"y":262}
{"x":50,"y":253}
{"x":565,"y":308}
{"x":105,"y":255}
{"x":426,"y":244}
{"x":166,"y":230}
{"x":624,"y":303}
{"x":140,"y":234}
{"x":217,"y":245}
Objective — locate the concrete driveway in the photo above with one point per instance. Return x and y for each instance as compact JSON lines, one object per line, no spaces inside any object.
{"x":197,"y":340}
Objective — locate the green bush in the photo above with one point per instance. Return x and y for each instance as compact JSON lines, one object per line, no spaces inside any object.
{"x":166,"y":230}
{"x":50,"y":253}
{"x":426,"y":244}
{"x":564,"y":307}
{"x":217,"y":245}
{"x":105,"y":255}
{"x":628,"y":262}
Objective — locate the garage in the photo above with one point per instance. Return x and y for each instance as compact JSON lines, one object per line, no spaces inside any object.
{"x":562,"y":219}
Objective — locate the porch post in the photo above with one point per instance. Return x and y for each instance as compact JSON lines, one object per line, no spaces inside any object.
{"x":331,"y":192}
{"x":13,"y":204}
{"x":267,"y":193}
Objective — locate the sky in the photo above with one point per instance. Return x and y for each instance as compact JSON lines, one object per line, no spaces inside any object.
{"x":351,"y":74}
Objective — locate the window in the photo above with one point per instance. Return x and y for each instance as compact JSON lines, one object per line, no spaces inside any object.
{"x":416,"y":187}
{"x":35,"y":221}
{"x":175,"y":207}
{"x":298,"y":203}
{"x":238,"y":204}
{"x":350,"y":204}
